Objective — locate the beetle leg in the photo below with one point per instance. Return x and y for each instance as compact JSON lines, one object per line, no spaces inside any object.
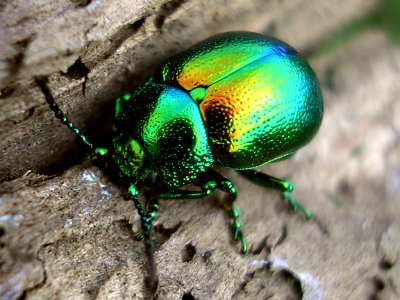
{"x":277,"y":184}
{"x":226,"y":185}
{"x":146,"y":219}
{"x":210,"y":181}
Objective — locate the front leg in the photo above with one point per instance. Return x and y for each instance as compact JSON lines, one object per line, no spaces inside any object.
{"x":277,"y":184}
{"x":146,"y":219}
{"x":208,"y":182}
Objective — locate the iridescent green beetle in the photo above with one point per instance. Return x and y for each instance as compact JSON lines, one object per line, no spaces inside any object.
{"x":238,"y":99}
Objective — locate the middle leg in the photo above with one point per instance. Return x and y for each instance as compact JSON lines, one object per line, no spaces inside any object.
{"x":208,"y":182}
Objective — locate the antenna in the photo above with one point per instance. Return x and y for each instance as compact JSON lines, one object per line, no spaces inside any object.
{"x":40,"y":80}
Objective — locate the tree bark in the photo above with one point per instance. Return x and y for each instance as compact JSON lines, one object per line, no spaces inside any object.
{"x":65,"y":229}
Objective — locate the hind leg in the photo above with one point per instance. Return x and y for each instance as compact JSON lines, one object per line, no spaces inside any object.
{"x":277,"y":184}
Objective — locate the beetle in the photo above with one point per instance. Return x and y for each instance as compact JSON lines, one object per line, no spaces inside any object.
{"x":238,"y":99}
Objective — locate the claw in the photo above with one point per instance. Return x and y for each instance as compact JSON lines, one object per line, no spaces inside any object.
{"x":296,"y":206}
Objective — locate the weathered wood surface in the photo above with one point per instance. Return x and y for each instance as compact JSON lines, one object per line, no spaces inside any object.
{"x":71,"y":236}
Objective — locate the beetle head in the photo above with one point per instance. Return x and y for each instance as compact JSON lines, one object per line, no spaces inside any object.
{"x":129,"y":156}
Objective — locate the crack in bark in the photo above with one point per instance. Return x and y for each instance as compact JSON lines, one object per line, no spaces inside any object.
{"x":165,"y":11}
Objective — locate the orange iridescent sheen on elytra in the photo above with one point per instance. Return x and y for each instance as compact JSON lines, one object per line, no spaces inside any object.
{"x":261,"y":102}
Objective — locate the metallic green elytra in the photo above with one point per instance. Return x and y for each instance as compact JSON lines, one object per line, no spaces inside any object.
{"x":237,"y":99}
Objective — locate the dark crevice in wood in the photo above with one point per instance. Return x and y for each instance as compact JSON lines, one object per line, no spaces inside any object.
{"x":188,"y":253}
{"x":166,"y":10}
